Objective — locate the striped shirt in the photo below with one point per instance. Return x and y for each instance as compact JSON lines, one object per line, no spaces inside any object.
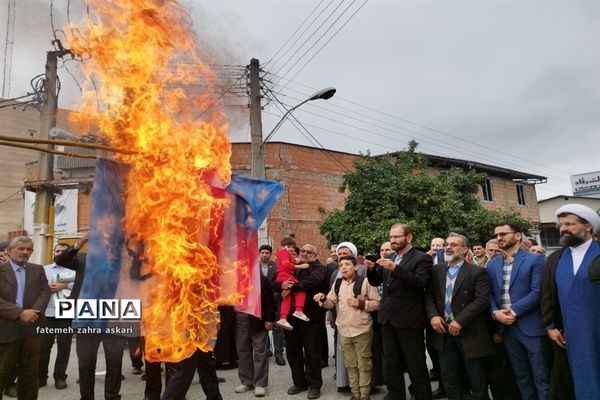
{"x":505,"y":301}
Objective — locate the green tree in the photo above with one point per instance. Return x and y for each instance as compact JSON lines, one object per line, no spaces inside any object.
{"x":394,"y":188}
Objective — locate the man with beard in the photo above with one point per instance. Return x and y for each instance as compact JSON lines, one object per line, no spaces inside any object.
{"x":515,"y":277}
{"x":491,"y":249}
{"x":457,"y":301}
{"x":402,"y":316}
{"x":571,"y":305}
{"x":303,"y":346}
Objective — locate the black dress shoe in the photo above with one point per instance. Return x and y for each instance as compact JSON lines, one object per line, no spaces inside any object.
{"x":42,"y":382}
{"x":376,"y":390}
{"x":220,"y":379}
{"x":137,"y":371}
{"x":296,"y":389}
{"x":60,"y":384}
{"x":313,"y":393}
{"x":344,"y":389}
{"x":439,"y":393}
{"x":279,"y":360}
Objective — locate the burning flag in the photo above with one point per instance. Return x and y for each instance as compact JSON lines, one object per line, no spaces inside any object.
{"x":142,"y":54}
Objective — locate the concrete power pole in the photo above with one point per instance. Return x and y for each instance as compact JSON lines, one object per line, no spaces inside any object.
{"x":258,"y":157}
{"x":44,"y":193}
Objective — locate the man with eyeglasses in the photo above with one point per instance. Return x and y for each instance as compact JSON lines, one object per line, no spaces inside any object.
{"x":404,"y":275}
{"x":303,"y":347}
{"x":491,"y":249}
{"x":515,"y":278}
{"x":457,"y":301}
{"x":571,"y":305}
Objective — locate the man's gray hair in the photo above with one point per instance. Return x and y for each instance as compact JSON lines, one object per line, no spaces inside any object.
{"x":19,"y":239}
{"x":491,"y":241}
{"x":464,"y":239}
{"x":311,"y":248}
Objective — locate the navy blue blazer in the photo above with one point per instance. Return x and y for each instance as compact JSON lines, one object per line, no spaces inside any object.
{"x":524,"y":289}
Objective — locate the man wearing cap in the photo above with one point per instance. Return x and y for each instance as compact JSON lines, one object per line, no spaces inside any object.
{"x":571,"y":304}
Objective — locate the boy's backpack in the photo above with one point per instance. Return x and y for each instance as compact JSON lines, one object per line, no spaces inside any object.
{"x":357,"y":285}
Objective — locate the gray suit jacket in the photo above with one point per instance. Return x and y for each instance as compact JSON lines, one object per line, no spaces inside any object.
{"x":36,"y":296}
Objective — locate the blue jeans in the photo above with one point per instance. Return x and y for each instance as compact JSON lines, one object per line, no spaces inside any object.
{"x":452,"y":359}
{"x":530,"y":358}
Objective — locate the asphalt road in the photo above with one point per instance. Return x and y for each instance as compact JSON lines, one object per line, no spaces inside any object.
{"x":132,"y":387}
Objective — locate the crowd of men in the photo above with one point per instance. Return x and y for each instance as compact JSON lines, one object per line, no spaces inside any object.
{"x":497,"y":319}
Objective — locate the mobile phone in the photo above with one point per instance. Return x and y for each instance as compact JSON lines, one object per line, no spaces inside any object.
{"x":372,"y":257}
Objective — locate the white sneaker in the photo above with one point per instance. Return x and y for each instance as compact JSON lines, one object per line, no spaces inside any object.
{"x":259,"y":391}
{"x":301,"y":315}
{"x":285,"y":324}
{"x":242,"y":389}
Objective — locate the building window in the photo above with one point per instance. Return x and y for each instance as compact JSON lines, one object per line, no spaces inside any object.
{"x":549,"y":235}
{"x":521,"y":199}
{"x":486,"y":189}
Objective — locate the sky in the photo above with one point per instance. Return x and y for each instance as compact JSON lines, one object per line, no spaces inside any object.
{"x":506,"y":82}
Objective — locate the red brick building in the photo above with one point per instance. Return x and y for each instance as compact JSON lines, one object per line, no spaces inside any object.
{"x":312,"y":178}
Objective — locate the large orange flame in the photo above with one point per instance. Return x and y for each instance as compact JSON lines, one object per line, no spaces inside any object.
{"x":142,"y":55}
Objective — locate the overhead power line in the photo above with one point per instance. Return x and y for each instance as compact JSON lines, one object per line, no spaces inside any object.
{"x":314,"y":32}
{"x":328,"y":40}
{"x":328,"y":106}
{"x":296,"y":31}
{"x":320,"y":146}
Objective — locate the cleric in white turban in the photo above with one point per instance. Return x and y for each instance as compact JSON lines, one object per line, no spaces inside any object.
{"x":349,"y":245}
{"x":571,"y":304}
{"x":583,"y":212}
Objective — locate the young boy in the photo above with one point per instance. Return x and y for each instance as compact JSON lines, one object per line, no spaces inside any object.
{"x":357,"y":299}
{"x":286,"y":265}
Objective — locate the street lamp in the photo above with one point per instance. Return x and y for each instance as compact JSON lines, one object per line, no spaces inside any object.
{"x":323,"y":94}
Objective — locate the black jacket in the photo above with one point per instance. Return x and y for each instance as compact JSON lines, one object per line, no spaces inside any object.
{"x":312,"y":281}
{"x":403,"y":299}
{"x":470,"y":306}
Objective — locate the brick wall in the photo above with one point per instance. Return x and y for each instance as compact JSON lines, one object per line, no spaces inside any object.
{"x":15,"y":123}
{"x":311,"y":179}
{"x":19,"y":123}
{"x":505,"y":197}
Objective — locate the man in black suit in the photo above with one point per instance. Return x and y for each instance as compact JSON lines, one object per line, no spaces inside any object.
{"x":404,"y":275}
{"x":457,"y":300}
{"x":303,"y":346}
{"x":268,"y":269}
{"x":24,"y":295}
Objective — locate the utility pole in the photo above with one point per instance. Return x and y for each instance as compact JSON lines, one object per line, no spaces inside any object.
{"x":44,"y":193}
{"x":258,"y":157}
